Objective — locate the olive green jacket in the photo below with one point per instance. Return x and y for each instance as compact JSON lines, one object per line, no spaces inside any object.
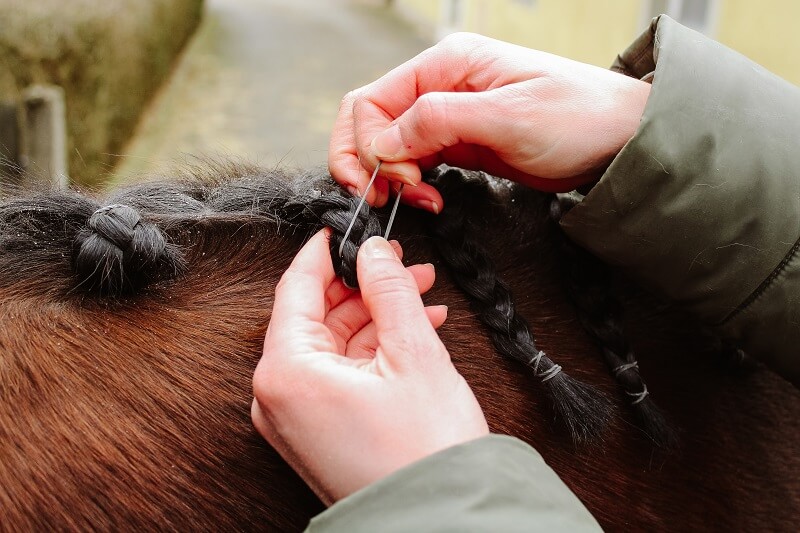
{"x":701,"y":206}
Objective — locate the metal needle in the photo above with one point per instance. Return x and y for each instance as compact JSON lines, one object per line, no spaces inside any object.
{"x":358,"y":209}
{"x":394,"y":211}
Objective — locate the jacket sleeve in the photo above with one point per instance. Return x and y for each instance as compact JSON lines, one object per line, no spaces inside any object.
{"x":495,"y":483}
{"x":702,"y":205}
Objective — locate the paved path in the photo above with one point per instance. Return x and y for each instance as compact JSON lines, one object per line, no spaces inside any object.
{"x":262,"y":80}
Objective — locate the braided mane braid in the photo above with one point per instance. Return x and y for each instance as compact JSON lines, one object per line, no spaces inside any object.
{"x":121,"y":247}
{"x":124,"y":245}
{"x":588,"y":283}
{"x":338,"y":218}
{"x":584,"y":410}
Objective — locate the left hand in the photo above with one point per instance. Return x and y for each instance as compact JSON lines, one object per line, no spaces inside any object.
{"x":354,"y":386}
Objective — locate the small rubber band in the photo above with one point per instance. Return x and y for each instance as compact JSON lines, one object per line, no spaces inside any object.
{"x":535,"y":360}
{"x":638,"y":395}
{"x":622,"y":368}
{"x":551,"y":373}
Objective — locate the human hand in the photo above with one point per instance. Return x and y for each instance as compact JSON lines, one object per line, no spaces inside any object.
{"x":482,"y":104}
{"x":354,"y":386}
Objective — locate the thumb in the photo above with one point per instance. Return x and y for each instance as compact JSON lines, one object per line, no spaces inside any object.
{"x":436,"y":121}
{"x":392,"y":298}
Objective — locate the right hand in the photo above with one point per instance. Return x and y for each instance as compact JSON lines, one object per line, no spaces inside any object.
{"x":482,"y":104}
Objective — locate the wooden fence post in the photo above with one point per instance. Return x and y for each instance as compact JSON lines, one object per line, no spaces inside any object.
{"x":45,"y":135}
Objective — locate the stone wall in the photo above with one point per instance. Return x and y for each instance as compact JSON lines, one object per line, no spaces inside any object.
{"x":110,"y":57}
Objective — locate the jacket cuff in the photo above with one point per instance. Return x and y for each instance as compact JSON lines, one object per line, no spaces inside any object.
{"x":496,"y":483}
{"x":702,"y":206}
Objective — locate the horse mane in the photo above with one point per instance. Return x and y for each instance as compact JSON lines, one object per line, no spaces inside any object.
{"x":152,"y":257}
{"x":121,"y":249}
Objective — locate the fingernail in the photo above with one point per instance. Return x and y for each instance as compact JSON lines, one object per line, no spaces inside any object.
{"x":405,"y":179}
{"x":353,"y":191}
{"x":402,"y":178}
{"x":428,"y":205}
{"x":396,"y":247}
{"x":378,"y":248}
{"x":388,"y":143}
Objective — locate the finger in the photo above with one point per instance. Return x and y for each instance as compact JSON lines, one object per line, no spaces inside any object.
{"x":338,"y":292}
{"x":364,"y":343}
{"x":457,"y":63}
{"x":473,"y":157}
{"x":393,"y":301}
{"x":300,"y":293}
{"x":343,"y":157}
{"x":424,"y":197}
{"x":440,"y":120}
{"x":349,"y":317}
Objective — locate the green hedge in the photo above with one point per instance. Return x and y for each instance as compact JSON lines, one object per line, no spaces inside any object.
{"x":110,"y":56}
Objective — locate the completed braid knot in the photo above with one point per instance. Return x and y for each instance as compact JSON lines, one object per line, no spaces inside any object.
{"x":117,"y":223}
{"x":550,"y":374}
{"x":119,"y":251}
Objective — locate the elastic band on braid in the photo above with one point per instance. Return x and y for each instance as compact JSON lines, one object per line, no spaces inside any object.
{"x":588,"y":284}
{"x":584,"y":410}
{"x":628,"y":366}
{"x":547,"y":374}
{"x":638,"y":395}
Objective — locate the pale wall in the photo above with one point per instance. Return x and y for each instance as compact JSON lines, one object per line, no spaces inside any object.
{"x":593,"y":32}
{"x":765,"y":31}
{"x":596,"y":31}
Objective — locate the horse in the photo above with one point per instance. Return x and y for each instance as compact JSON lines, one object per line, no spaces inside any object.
{"x":132,"y":324}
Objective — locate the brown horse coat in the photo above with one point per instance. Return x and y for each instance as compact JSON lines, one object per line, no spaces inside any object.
{"x":133,"y":412}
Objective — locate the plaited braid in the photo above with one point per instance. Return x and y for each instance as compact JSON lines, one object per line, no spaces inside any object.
{"x":584,"y":410}
{"x":336,"y":212}
{"x":121,"y":248}
{"x":118,"y":251}
{"x":588,"y":283}
{"x":365,"y":226}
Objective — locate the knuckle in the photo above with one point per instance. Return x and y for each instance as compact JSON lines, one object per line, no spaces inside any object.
{"x":348,"y":99}
{"x":266,"y":389}
{"x":428,"y":111}
{"x":460,"y":41}
{"x":430,"y":120}
{"x":339,"y":328}
{"x":389,"y":284}
{"x":292,"y":278}
{"x":285,"y":283}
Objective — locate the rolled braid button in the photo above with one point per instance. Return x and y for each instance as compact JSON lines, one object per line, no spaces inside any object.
{"x":115,"y":223}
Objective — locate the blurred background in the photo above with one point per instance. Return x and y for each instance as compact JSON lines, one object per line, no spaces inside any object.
{"x":98,"y":92}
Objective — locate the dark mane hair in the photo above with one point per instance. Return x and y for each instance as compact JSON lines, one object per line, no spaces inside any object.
{"x":138,"y":307}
